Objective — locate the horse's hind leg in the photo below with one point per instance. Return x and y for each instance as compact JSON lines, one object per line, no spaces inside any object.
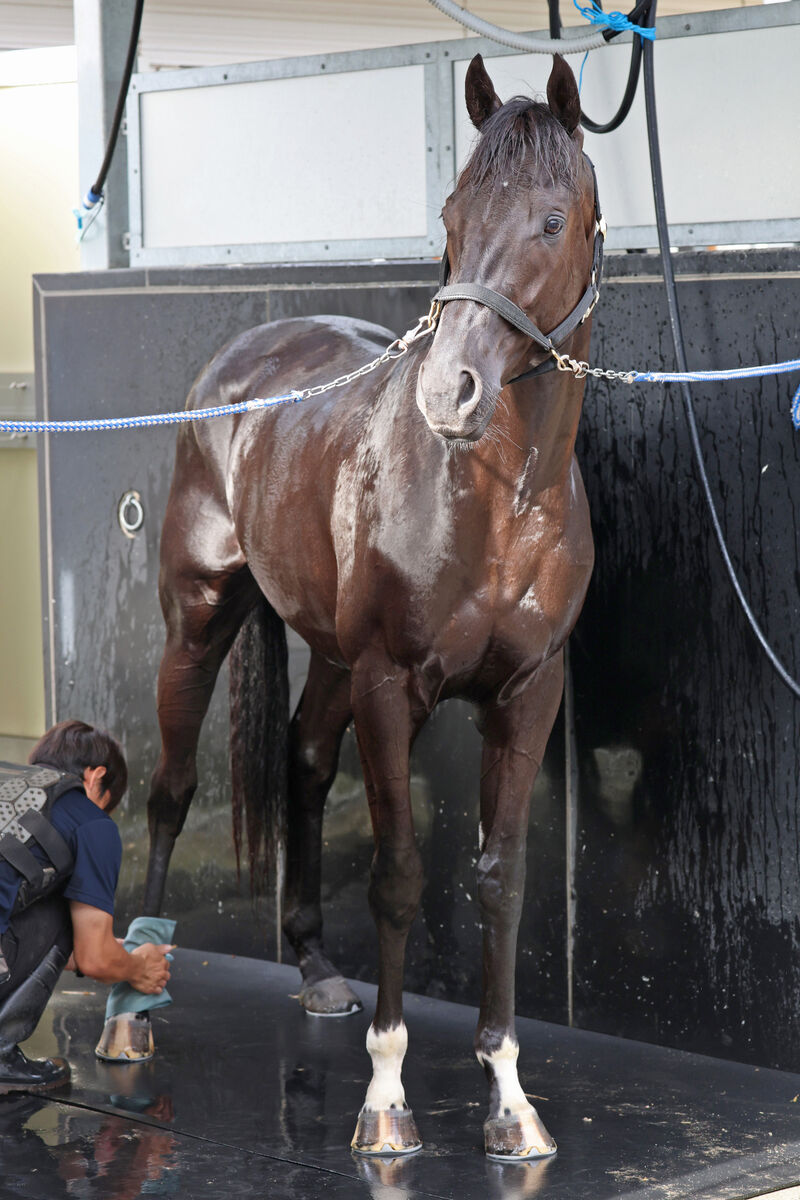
{"x":514,"y":738}
{"x":206,"y":590}
{"x":315,"y":736}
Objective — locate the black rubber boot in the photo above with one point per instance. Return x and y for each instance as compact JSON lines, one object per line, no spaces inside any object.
{"x":18,"y":1073}
{"x":19,"y":1016}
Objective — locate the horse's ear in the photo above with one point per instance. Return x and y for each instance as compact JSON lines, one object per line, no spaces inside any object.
{"x":563,"y":95}
{"x":482,"y":99}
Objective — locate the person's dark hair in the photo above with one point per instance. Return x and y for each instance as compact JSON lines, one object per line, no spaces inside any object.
{"x":73,"y":745}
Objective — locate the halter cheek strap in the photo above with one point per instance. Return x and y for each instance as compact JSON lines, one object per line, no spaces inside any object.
{"x":514,"y":315}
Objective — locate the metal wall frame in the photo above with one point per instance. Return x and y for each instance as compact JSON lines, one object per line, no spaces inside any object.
{"x":437,"y":58}
{"x":17,"y":403}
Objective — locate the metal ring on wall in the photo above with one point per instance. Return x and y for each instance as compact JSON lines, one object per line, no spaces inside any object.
{"x":130,"y":514}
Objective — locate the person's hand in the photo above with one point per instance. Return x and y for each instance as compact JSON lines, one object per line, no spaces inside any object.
{"x":150,"y":969}
{"x":70,"y":965}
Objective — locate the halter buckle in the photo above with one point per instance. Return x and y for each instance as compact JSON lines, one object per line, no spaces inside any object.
{"x":602,"y":227}
{"x":595,"y":298}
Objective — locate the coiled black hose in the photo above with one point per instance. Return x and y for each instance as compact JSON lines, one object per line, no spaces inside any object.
{"x":640,"y":11}
{"x":628,"y":95}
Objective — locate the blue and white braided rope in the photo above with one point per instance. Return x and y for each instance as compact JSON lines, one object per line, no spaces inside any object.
{"x":173,"y":418}
{"x":783,"y":368}
{"x":294,"y":397}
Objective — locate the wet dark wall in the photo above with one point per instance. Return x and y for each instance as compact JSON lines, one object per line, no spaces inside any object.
{"x":686,"y":868}
{"x":663,"y":881}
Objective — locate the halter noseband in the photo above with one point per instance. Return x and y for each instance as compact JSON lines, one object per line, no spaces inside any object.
{"x":513,"y":313}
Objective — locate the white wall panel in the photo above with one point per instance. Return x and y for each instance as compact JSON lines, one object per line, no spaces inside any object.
{"x":313,"y":158}
{"x":351,"y":155}
{"x":727,"y":108}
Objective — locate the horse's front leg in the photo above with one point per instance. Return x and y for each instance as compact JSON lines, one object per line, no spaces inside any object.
{"x":385,"y":728}
{"x":515,"y":735}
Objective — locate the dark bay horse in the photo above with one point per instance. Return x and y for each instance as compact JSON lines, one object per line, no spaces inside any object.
{"x":426,"y":531}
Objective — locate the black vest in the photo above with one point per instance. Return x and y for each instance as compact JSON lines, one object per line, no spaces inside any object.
{"x":27,"y":796}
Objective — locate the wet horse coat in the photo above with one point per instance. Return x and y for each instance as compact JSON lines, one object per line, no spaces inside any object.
{"x":426,"y":531}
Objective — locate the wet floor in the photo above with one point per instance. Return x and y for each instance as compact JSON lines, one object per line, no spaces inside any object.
{"x":248,"y":1096}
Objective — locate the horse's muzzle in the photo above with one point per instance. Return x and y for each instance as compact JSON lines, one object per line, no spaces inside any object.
{"x":456,"y":409}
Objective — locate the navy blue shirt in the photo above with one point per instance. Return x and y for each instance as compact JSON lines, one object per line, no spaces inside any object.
{"x":96,"y":848}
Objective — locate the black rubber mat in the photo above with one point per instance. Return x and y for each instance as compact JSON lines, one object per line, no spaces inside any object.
{"x":249,"y":1096}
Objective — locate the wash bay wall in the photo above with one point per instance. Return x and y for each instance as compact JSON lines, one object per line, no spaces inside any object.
{"x":664,"y":883}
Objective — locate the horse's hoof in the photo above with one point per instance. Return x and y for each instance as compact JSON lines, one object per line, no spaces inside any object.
{"x":389,"y":1131}
{"x":332,"y":997}
{"x":128,"y":1037}
{"x":517,"y":1138}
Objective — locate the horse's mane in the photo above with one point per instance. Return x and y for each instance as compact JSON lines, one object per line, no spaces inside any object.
{"x":523,"y":140}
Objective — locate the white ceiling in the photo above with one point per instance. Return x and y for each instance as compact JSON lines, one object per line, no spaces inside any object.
{"x":203,"y":32}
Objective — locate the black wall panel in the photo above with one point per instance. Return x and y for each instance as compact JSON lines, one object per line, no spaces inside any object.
{"x":688,"y":889}
{"x":664,"y":885}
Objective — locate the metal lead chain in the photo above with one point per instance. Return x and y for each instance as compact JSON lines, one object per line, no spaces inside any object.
{"x":424,"y":327}
{"x":581,"y":369}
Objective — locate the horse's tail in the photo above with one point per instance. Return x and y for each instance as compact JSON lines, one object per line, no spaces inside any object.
{"x":259,"y":710}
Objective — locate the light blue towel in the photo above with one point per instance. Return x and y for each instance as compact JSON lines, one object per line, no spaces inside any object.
{"x":123,"y":998}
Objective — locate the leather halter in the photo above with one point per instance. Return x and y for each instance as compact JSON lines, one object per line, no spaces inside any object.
{"x":513,"y":313}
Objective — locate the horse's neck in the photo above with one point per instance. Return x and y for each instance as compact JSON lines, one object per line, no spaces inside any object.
{"x":533,"y":434}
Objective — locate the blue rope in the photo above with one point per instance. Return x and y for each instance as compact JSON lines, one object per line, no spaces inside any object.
{"x":580,"y":77}
{"x":709,"y":376}
{"x":294,"y":397}
{"x":174,"y":418}
{"x":737,"y":373}
{"x":796,"y":409}
{"x":613,"y":20}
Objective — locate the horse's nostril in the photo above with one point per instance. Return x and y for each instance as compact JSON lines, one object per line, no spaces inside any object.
{"x":469,"y":393}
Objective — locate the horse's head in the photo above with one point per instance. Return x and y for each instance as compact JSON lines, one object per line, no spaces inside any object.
{"x":521,"y":222}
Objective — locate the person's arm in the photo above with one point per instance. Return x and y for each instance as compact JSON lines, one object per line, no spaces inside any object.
{"x":98,"y":953}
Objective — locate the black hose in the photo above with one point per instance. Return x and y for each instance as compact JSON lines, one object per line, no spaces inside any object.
{"x":627,"y":98}
{"x":96,"y":190}
{"x":680,"y":352}
{"x":555,"y":18}
{"x":635,"y":15}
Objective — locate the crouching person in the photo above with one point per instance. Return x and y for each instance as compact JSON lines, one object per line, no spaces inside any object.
{"x":60,"y":855}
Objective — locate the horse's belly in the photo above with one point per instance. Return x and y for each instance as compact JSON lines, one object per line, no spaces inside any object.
{"x":303,"y":597}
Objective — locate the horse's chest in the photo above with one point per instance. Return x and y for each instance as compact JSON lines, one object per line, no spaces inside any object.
{"x":523,"y":609}
{"x":483,"y":629}
{"x":471,"y":587}
{"x":531,"y":567}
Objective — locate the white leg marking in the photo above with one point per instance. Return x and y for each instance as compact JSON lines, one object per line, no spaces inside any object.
{"x":387,"y":1051}
{"x":514,"y":1131}
{"x":504,"y":1068}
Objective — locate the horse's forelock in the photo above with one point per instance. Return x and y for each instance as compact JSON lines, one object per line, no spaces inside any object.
{"x":523,"y":139}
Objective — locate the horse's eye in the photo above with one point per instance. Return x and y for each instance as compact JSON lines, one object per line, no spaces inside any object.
{"x":553,"y":225}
